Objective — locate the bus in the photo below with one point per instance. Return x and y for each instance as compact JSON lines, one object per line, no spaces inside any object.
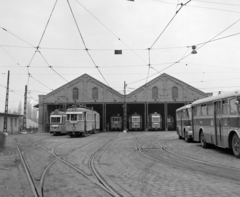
{"x":216,"y":120}
{"x":184,"y":123}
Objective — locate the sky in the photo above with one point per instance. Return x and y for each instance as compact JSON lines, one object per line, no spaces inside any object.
{"x":46,"y":44}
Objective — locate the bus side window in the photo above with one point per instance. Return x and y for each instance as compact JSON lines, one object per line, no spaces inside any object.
{"x":225,"y":107}
{"x":204,"y":109}
{"x":198,"y":110}
{"x":210,"y":109}
{"x":233,"y":107}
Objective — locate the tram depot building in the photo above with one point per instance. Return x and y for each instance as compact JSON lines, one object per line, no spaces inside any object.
{"x":162,"y":95}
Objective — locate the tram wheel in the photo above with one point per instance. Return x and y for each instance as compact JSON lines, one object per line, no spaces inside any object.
{"x":202,"y":140}
{"x":236,"y":145}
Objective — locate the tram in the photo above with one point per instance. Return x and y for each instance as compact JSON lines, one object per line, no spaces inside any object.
{"x":116,"y":123}
{"x":135,"y":122}
{"x":57,"y":122}
{"x":154,"y":121}
{"x":81,"y":120}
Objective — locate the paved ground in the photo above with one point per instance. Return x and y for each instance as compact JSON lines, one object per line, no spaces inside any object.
{"x":13,"y":181}
{"x":133,"y":174}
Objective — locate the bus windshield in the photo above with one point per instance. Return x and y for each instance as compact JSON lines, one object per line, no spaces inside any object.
{"x":189,"y":113}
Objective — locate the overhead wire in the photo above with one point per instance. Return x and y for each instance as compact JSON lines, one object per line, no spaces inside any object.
{"x":214,"y":9}
{"x":110,"y":31}
{"x":149,"y":65}
{"x":181,"y":5}
{"x":190,"y":53}
{"x":86,"y":47}
{"x":37,"y":50}
{"x":51,"y":66}
{"x":211,"y":2}
{"x":17,"y":36}
{"x":162,"y":48}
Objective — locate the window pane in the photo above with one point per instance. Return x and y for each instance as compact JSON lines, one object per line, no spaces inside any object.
{"x":174,"y":93}
{"x":210,"y":109}
{"x":154,"y":93}
{"x":204,"y":110}
{"x":233,"y":107}
{"x":95,"y":93}
{"x":75,"y":93}
{"x":198,"y":110}
{"x":224,"y":107}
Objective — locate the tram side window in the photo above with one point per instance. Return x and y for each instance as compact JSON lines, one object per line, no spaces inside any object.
{"x":80,"y":116}
{"x":72,"y":117}
{"x":210,"y":109}
{"x":233,"y":107}
{"x":204,"y":109}
{"x":225,"y":107}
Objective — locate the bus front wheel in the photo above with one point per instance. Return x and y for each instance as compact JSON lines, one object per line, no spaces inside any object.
{"x":186,"y":138}
{"x":236,"y":145}
{"x":202,"y":140}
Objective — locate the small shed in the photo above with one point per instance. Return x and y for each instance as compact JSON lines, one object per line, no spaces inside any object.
{"x":13,"y":126}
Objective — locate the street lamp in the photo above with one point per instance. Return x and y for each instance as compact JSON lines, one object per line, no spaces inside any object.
{"x":193,"y":49}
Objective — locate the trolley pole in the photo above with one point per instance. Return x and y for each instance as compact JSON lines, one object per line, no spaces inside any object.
{"x":25,"y":110}
{"x":6,"y":106}
{"x":125,"y":109}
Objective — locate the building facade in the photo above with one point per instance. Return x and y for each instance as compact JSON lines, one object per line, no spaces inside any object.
{"x":162,"y":95}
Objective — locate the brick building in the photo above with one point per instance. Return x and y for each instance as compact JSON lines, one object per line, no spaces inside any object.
{"x":163,"y":95}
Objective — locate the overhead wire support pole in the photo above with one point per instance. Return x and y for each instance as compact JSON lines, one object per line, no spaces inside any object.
{"x":149,"y":63}
{"x":6,"y":106}
{"x":125,"y":109}
{"x":25,"y":109}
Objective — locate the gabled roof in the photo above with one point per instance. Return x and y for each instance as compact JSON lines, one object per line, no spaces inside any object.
{"x":169,"y":76}
{"x":82,"y":76}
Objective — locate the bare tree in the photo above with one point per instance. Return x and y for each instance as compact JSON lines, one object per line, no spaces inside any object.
{"x":19,"y":110}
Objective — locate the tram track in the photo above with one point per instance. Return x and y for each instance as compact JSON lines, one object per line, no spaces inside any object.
{"x":95,"y":177}
{"x":167,"y":157}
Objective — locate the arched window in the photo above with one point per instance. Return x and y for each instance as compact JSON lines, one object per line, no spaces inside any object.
{"x":174,"y":93}
{"x":75,"y":93}
{"x":95,"y":93}
{"x":154,"y":92}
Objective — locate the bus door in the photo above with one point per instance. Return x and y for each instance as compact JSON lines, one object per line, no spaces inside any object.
{"x":85,"y":121}
{"x":181,"y":123}
{"x":217,"y":123}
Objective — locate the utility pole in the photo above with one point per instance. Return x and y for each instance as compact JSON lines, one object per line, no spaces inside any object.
{"x":125,"y":109}
{"x":6,"y":106}
{"x":25,"y":110}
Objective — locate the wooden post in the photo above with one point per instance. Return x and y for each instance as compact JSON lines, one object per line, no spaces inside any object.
{"x":25,"y":109}
{"x":6,"y":106}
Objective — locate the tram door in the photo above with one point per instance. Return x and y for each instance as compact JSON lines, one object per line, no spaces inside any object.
{"x":217,"y":123}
